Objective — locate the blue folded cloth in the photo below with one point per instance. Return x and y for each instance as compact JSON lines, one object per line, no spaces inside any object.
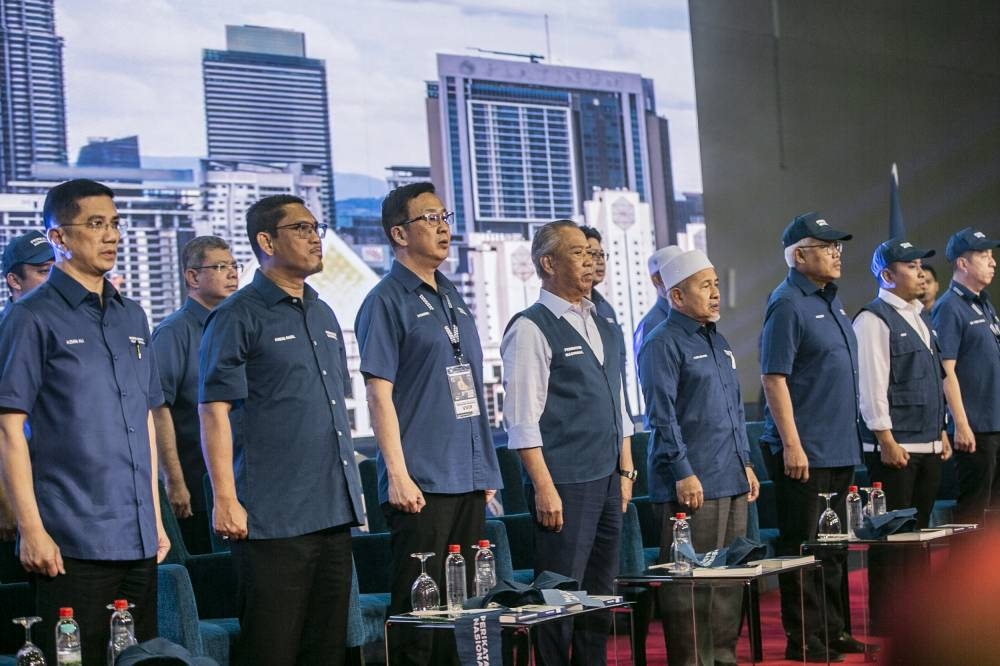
{"x":739,"y":552}
{"x":891,"y":522}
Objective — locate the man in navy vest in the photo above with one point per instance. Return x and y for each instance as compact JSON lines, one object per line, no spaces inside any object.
{"x":969,"y":334}
{"x":902,"y":389}
{"x":699,"y":458}
{"x":809,"y":369}
{"x":565,"y":415}
{"x":901,"y":383}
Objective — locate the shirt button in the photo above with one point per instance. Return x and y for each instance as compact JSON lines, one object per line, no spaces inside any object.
{"x":345,"y":462}
{"x":115,"y":357}
{"x":333,"y":402}
{"x":124,"y":393}
{"x":131,"y":429}
{"x":139,"y":502}
{"x":107,"y":324}
{"x":340,"y":434}
{"x":324,"y":372}
{"x":314,"y":343}
{"x":295,"y":300}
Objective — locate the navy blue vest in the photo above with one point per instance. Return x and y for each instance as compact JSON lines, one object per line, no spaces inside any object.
{"x":916,"y":384}
{"x":581,"y":425}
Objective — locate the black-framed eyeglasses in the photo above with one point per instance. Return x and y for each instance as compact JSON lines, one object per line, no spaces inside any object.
{"x":830,"y":248}
{"x":304,"y":230}
{"x":99,"y":225}
{"x":221,"y":267}
{"x":434,"y":219}
{"x":598,"y":255}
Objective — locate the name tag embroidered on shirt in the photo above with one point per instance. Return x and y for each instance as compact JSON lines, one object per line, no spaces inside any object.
{"x":699,"y":357}
{"x":573,"y":351}
{"x":284,"y":338}
{"x":422,"y":314}
{"x":75,"y":341}
{"x":330,"y":334}
{"x":820,"y":316}
{"x":462,"y":311}
{"x":135,"y":340}
{"x":903,"y":334}
{"x":977,"y":321}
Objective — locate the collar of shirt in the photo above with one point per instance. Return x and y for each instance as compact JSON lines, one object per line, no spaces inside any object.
{"x":596,"y":297}
{"x":689,"y":325}
{"x":75,"y":293}
{"x":411,"y":282}
{"x":968,"y":295}
{"x":914,"y":306}
{"x":196,"y":310}
{"x":273,"y":294}
{"x":558,"y":306}
{"x":663,"y":304}
{"x":808,"y":287}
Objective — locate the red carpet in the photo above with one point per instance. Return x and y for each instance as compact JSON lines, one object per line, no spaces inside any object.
{"x":771,"y":632}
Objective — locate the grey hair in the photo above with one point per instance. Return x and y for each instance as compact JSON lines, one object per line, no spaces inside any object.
{"x":790,"y":251}
{"x":546,"y":240}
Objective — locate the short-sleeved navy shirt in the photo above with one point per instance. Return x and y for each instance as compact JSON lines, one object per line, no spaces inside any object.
{"x":280,"y":360}
{"x":176,"y":341}
{"x":86,"y":374}
{"x":694,"y":409}
{"x":966,"y":325}
{"x":808,"y":337}
{"x":400,"y":329}
{"x":602,"y":308}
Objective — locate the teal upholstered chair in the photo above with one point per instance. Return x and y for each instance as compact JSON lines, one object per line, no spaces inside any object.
{"x":177,"y":616}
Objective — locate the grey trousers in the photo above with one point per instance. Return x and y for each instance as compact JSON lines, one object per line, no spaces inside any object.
{"x":717,"y":609}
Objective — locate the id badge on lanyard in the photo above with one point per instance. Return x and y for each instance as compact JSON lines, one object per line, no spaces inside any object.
{"x":460,"y":379}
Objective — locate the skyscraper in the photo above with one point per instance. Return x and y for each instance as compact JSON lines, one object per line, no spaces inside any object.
{"x":517,"y":144}
{"x":32,"y":92}
{"x":265,"y":101}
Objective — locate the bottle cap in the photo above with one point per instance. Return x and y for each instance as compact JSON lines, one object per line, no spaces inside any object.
{"x":454,"y":548}
{"x":121,"y":604}
{"x":66,"y":612}
{"x":681,"y":516}
{"x":852,"y":489}
{"x":877,"y":484}
{"x":484,"y":543}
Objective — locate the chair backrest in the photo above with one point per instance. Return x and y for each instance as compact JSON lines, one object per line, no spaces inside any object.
{"x":631,"y":560}
{"x":640,"y":459}
{"x":372,"y":561}
{"x":521,"y":537}
{"x":369,"y":484}
{"x":219,"y":545}
{"x":754,"y":430}
{"x":176,"y":609}
{"x":514,"y":500}
{"x":178,"y":553}
{"x":497,"y":534}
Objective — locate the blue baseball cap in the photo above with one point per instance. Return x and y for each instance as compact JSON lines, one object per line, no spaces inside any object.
{"x":966,"y":240}
{"x":811,"y":225}
{"x":30,"y":248}
{"x":897,"y":249}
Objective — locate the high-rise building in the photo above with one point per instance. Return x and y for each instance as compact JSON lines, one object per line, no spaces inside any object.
{"x":398,"y":175}
{"x":516,"y":144}
{"x":122,"y":152}
{"x":229,"y":188}
{"x":266,"y":102}
{"x":32,"y":91}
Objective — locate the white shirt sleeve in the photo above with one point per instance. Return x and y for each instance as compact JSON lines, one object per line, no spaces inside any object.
{"x":526,"y":358}
{"x":873,"y":369}
{"x":628,"y":428}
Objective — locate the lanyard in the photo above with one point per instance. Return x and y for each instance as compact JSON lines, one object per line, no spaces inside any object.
{"x":451,"y":327}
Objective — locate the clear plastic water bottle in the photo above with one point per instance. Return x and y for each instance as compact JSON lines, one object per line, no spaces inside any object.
{"x":454,"y":567}
{"x":855,"y":512}
{"x":122,"y":630}
{"x":682,"y":535}
{"x":878,"y":499}
{"x":68,"y":639}
{"x":486,"y":570}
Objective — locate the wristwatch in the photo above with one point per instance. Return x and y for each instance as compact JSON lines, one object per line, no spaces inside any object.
{"x":630,"y":474}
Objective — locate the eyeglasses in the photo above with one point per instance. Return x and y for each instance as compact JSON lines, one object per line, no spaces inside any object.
{"x":100,"y":225}
{"x":221,"y":267}
{"x":434,"y":219}
{"x":597,"y":255}
{"x":830,"y":248}
{"x":304,"y":230}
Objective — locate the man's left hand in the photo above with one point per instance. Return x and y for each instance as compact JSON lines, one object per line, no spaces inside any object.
{"x":754,"y":485}
{"x":490,"y":494}
{"x":162,"y":543}
{"x":945,"y":446}
{"x":626,"y":492}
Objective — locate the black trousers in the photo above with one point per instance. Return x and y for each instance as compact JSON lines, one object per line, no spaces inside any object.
{"x":916,"y":485}
{"x":978,"y":478}
{"x":587,"y":550}
{"x":799,"y":508}
{"x":88,"y":587}
{"x":444,"y":520}
{"x":292,"y":598}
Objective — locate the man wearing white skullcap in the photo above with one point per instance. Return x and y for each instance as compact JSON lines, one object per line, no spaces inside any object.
{"x":658,"y":313}
{"x":699,"y":460}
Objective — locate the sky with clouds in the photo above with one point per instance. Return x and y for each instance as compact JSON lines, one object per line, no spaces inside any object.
{"x":134,"y":67}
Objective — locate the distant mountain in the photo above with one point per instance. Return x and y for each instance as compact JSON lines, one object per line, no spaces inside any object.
{"x":358,"y":186}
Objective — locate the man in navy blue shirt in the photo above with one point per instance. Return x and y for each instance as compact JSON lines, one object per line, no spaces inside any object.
{"x":76,"y":357}
{"x":658,"y":313}
{"x":969,"y":334}
{"x":277,"y":441}
{"x":699,"y":457}
{"x":809,"y":368}
{"x":423,"y":367}
{"x":211,"y":274}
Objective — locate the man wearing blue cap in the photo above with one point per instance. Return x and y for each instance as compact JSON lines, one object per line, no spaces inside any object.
{"x":969,"y":335}
{"x":809,"y":369}
{"x":26,"y":263}
{"x":699,"y":458}
{"x":902,"y":383}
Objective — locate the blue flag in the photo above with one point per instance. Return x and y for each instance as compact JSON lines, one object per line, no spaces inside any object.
{"x":896,"y":228}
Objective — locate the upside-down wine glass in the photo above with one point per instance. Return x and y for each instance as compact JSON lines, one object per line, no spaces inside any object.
{"x":29,"y":654}
{"x":829,"y":523}
{"x":424,"y":594}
